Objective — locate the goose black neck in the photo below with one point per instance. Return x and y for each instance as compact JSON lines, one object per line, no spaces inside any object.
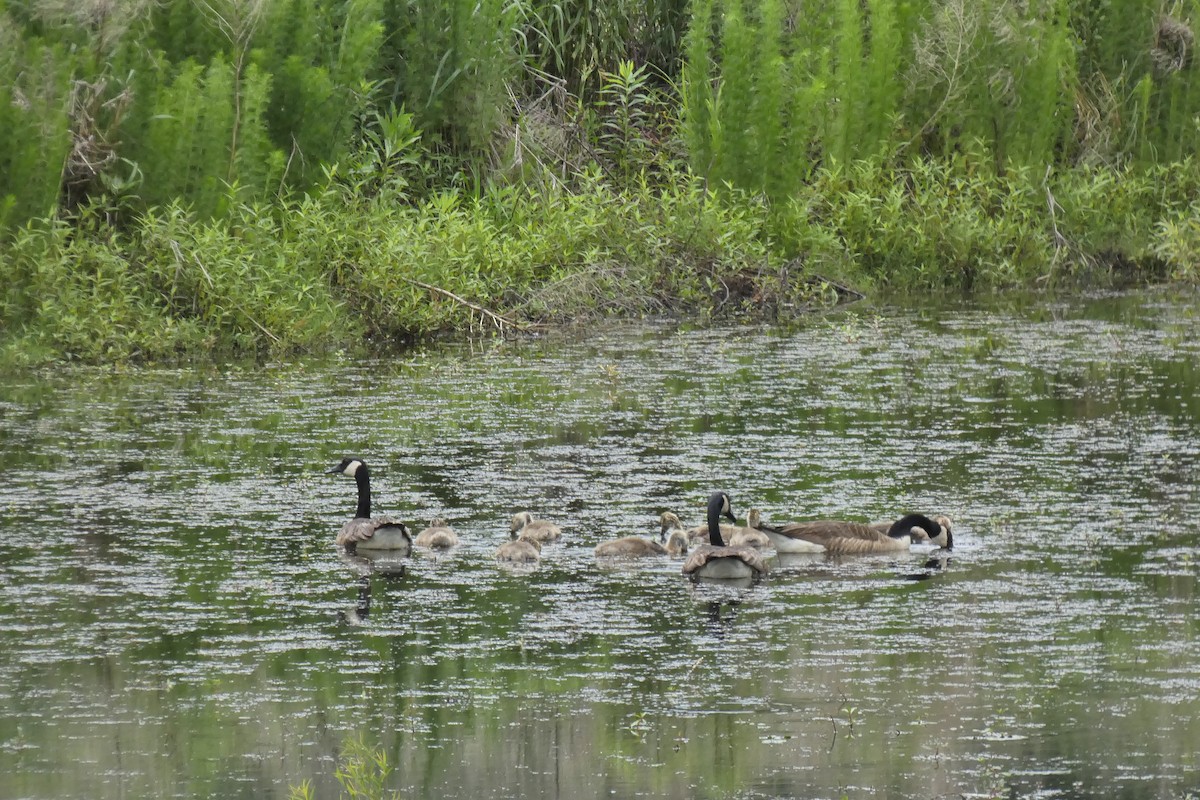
{"x":903,"y":526}
{"x":716,"y":506}
{"x":363,"y":478}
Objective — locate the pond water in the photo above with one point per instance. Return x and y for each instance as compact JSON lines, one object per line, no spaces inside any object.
{"x":176,"y":620}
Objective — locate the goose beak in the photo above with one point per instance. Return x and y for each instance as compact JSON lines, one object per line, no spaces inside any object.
{"x":335,"y":469}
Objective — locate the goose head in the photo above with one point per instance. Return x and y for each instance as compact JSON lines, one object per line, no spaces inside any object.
{"x":519,"y":520}
{"x":347,"y":466}
{"x":916,"y":526}
{"x":356,"y":468}
{"x":668,"y":522}
{"x":944,"y":537}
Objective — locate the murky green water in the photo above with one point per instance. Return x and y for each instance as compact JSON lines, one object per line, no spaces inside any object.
{"x":177,"y":622}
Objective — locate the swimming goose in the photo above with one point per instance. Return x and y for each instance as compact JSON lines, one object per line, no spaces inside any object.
{"x":363,"y":532}
{"x":672,"y":541}
{"x":630,"y":547}
{"x":849,"y":538}
{"x":539,"y":530}
{"x":438,"y":535}
{"x":715,"y":559}
{"x":750,"y":535}
{"x":520,"y":550}
{"x":944,"y":538}
{"x":673,"y":533}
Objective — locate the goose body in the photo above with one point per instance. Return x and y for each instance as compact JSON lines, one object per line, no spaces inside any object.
{"x":540,"y":530}
{"x":520,"y":550}
{"x":629,"y":547}
{"x":439,"y":535}
{"x":839,"y":537}
{"x":672,"y":541}
{"x":365,"y":532}
{"x":673,"y":534}
{"x":677,"y":543}
{"x":717,"y":560}
{"x":750,"y":535}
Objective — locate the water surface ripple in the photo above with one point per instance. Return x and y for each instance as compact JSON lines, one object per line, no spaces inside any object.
{"x":177,"y":622}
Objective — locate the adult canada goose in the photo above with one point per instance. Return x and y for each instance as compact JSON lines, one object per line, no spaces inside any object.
{"x":539,"y":530}
{"x":363,"y":532}
{"x":715,"y":559}
{"x":669,"y":519}
{"x":944,"y":538}
{"x":849,"y":538}
{"x":520,"y":550}
{"x":438,"y":535}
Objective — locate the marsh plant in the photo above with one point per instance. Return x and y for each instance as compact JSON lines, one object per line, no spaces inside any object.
{"x":362,"y":772}
{"x":321,"y":173}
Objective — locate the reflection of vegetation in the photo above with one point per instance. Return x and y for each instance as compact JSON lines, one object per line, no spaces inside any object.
{"x":638,"y":726}
{"x":851,"y":713}
{"x":853,"y":327}
{"x":995,"y":782}
{"x":172,"y":633}
{"x":362,"y":771}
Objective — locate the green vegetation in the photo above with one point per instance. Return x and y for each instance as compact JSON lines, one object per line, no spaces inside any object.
{"x":253,"y":176}
{"x":362,"y":772}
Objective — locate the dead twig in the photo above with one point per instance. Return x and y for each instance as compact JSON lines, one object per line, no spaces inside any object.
{"x":499,"y":320}
{"x":1060,"y":241}
{"x":839,"y":286}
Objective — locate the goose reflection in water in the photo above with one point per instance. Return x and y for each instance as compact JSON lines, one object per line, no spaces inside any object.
{"x":932,"y":568}
{"x":357,"y":614}
{"x":375,"y":562}
{"x":718,"y":624}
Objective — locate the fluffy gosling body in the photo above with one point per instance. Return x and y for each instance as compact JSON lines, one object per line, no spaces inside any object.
{"x":673,"y":534}
{"x":438,"y":536}
{"x":629,"y":547}
{"x":520,"y":551}
{"x":540,"y":530}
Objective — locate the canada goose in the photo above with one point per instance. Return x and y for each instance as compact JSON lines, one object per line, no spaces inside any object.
{"x":944,"y":537}
{"x":671,"y":520}
{"x":750,"y":535}
{"x":849,"y":538}
{"x":673,"y":534}
{"x":715,"y":560}
{"x":363,"y":532}
{"x":629,"y":547}
{"x":439,"y":535}
{"x":520,"y":550}
{"x":540,"y":530}
{"x":672,"y":540}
